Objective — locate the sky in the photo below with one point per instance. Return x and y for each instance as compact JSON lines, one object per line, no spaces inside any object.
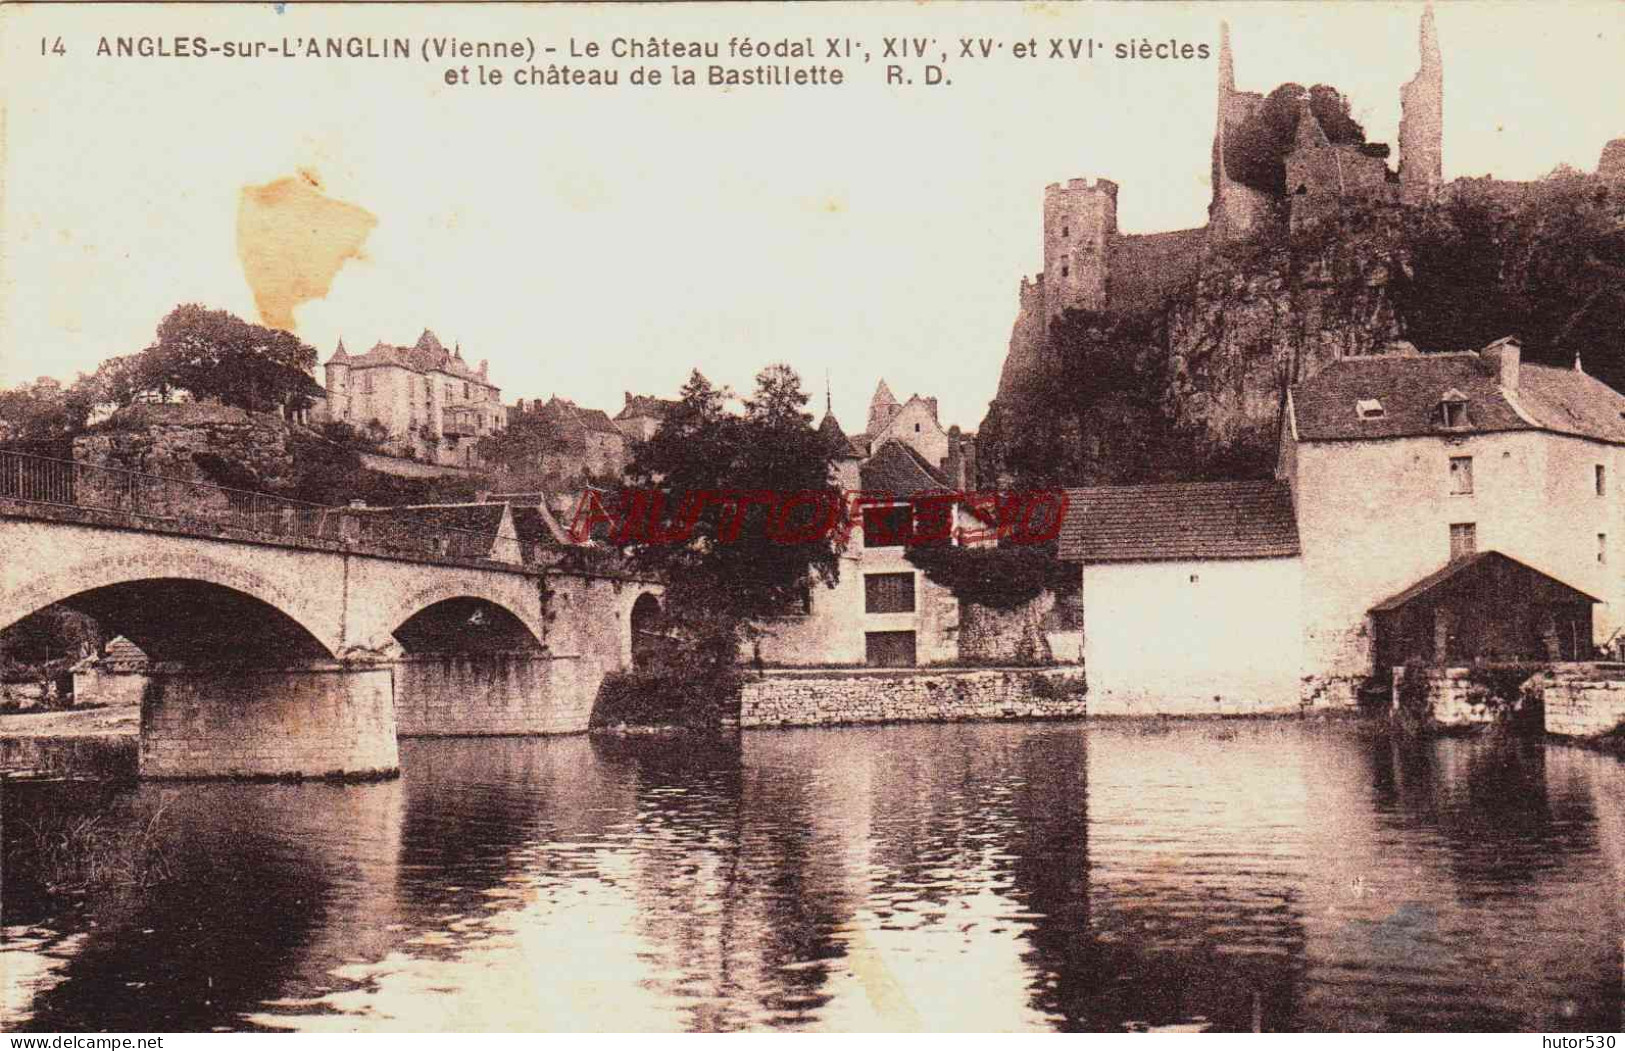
{"x":589,"y":243}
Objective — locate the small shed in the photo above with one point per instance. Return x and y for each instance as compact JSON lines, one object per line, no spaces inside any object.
{"x":1485,"y":607}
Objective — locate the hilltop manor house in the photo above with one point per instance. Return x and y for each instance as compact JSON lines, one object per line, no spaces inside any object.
{"x":423,"y":401}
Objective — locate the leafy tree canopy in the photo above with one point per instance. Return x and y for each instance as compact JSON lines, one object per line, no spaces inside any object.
{"x":719,"y":585}
{"x":1256,"y":150}
{"x":215,"y":354}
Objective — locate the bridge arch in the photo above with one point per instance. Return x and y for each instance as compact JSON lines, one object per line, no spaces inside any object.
{"x":465,"y":624}
{"x":180,"y":608}
{"x":444,"y":614}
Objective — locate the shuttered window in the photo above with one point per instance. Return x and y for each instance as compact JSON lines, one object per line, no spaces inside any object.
{"x":888,"y":593}
{"x":889,"y":649}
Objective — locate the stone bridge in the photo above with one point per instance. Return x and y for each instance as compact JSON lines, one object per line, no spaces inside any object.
{"x":279,"y":656}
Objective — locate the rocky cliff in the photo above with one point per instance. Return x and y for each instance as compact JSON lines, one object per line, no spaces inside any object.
{"x":1188,"y":384}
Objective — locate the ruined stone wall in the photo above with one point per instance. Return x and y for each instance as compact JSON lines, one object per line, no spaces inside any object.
{"x":829,"y":698}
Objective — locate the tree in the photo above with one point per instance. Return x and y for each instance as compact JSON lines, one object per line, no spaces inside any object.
{"x":43,"y":411}
{"x":214,"y":354}
{"x":518,"y":449}
{"x":1255,"y":150}
{"x":728,"y":574}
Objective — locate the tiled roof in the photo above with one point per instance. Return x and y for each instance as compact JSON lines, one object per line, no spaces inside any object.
{"x":897,"y":469}
{"x":427,"y":355}
{"x":644,"y":405}
{"x":830,"y":428}
{"x":569,"y":416}
{"x":1463,"y":570}
{"x":1410,"y":387}
{"x":1187,"y":520}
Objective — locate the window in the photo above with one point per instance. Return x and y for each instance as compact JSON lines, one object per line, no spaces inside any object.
{"x":888,"y":526}
{"x":366,"y":382}
{"x":1602,"y":547}
{"x":1461,"y":476}
{"x":1065,"y":270}
{"x":465,"y":392}
{"x":1463,"y":540}
{"x":916,"y":428}
{"x":1602,"y":480}
{"x":1066,"y":231}
{"x":1453,"y":409}
{"x":889,"y":649}
{"x":888,"y":593}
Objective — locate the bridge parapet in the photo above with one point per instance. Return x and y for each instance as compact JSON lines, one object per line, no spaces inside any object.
{"x":44,"y":487}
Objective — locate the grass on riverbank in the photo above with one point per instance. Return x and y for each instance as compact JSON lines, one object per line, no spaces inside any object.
{"x":85,"y":853}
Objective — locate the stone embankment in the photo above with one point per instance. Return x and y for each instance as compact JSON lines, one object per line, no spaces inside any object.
{"x":845,"y":696}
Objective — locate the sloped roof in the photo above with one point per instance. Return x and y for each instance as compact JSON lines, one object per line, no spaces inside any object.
{"x":1461,"y":573}
{"x":830,"y":428}
{"x":427,"y":355}
{"x":1410,"y":388}
{"x":897,"y":469}
{"x":645,"y":406}
{"x":1186,"y":520}
{"x":566,"y":414}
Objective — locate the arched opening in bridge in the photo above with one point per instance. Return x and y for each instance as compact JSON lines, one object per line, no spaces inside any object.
{"x":465,"y":625}
{"x":648,"y":623}
{"x":195,"y":622}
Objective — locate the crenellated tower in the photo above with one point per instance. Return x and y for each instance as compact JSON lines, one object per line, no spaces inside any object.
{"x":1080,"y":221}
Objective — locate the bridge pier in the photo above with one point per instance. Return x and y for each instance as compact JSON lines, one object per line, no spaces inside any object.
{"x":488,"y":694}
{"x":309,"y":720}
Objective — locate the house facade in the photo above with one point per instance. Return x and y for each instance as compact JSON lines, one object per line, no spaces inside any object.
{"x":1401,"y":464}
{"x":1191,"y":597}
{"x":422,"y":401}
{"x":882,"y":611}
{"x":1450,"y":508}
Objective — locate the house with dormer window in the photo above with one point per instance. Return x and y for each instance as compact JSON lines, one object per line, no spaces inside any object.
{"x":1452,"y":508}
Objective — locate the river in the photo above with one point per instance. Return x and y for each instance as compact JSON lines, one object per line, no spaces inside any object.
{"x":1101,"y":876}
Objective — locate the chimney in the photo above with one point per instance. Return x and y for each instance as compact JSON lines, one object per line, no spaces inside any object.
{"x":485,"y":368}
{"x":628,"y":396}
{"x":1577,"y":367}
{"x":1505,"y":353}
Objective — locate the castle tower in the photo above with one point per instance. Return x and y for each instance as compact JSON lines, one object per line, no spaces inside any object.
{"x":1080,"y":221}
{"x":337,"y":373}
{"x":1421,"y":122}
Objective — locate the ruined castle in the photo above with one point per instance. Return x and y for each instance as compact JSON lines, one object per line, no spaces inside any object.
{"x":1089,"y":265}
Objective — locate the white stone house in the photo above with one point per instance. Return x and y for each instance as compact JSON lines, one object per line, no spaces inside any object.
{"x":1398,"y":476}
{"x":1191,"y":597}
{"x":1403,"y":463}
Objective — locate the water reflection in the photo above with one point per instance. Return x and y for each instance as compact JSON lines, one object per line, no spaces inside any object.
{"x":1226,"y":876}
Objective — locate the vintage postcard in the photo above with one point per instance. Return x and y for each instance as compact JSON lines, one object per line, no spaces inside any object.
{"x":820,"y":517}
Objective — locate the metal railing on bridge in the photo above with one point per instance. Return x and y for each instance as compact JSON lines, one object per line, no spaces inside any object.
{"x":422,"y":530}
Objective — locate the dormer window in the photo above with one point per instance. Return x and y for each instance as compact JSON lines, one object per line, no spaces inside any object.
{"x":1369,"y":409}
{"x":1453,"y":409}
